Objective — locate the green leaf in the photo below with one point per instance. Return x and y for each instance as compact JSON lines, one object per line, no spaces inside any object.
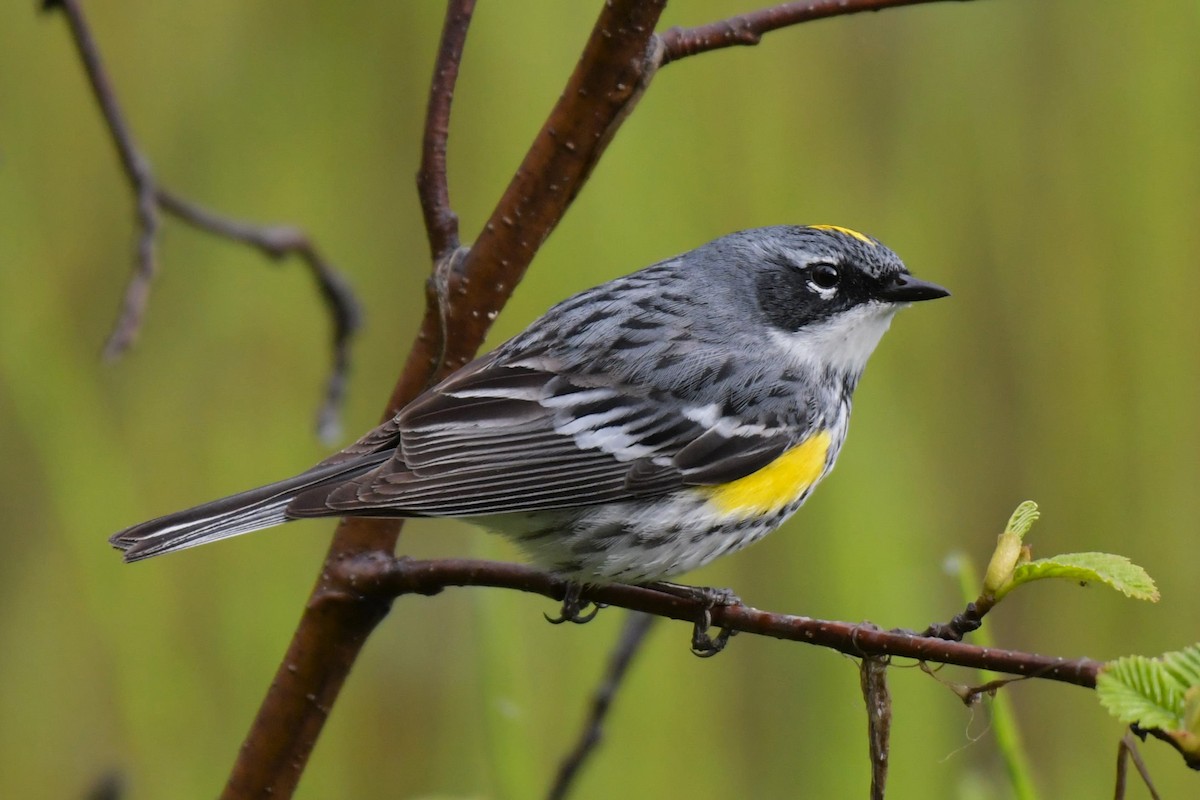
{"x":1022,"y":519}
{"x":1116,"y":572}
{"x":1139,"y":689}
{"x":1162,"y":693}
{"x":1184,"y":665}
{"x":1191,"y":711}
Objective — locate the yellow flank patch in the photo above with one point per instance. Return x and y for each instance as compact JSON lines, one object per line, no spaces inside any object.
{"x":774,"y":486}
{"x":860,"y":236}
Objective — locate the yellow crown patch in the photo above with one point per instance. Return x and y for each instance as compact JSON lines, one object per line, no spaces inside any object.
{"x":862,"y":237}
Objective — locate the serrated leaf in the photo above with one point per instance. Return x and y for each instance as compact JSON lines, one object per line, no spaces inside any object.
{"x":1160,"y":693}
{"x":1191,"y":711}
{"x":1022,"y":519}
{"x":1136,"y":689}
{"x":1184,"y":665}
{"x":1116,"y":572}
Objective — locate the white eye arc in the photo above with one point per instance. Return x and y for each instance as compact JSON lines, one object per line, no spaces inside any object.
{"x":824,"y":279}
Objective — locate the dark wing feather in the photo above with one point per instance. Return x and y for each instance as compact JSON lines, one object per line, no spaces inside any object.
{"x":715,"y":458}
{"x":498,"y":438}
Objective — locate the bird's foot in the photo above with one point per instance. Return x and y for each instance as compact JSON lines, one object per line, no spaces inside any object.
{"x":704,"y":644}
{"x":574,"y":607}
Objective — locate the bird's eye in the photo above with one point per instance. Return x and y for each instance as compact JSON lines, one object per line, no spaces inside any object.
{"x":824,"y":276}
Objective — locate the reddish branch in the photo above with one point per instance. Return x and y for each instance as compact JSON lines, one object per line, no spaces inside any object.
{"x":473,"y":289}
{"x":273,"y":241}
{"x":610,"y":77}
{"x":360,"y":578}
{"x":748,"y":29}
{"x":441,"y":223}
{"x":396,"y":577}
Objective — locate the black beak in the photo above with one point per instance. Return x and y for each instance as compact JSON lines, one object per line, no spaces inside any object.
{"x":904,"y":288}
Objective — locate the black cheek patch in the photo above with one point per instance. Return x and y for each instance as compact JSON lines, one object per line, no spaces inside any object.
{"x":786,"y":301}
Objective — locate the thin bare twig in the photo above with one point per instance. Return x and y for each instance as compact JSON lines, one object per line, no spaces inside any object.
{"x":136,"y":167}
{"x":441,"y":223}
{"x":970,"y":694}
{"x":633,"y":634}
{"x":616,"y":67}
{"x":274,"y":241}
{"x":433,"y":189}
{"x":372,"y":575}
{"x":872,"y":677}
{"x":613,"y":72}
{"x":278,"y":242}
{"x":1128,"y":750}
{"x":748,"y":29}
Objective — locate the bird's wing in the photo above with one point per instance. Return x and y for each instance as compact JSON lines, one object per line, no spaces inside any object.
{"x":499,"y":438}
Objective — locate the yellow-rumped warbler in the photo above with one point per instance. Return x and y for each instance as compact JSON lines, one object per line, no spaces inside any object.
{"x":634,"y":432}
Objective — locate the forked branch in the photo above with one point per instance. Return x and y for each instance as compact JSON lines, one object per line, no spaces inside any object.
{"x":468,"y":289}
{"x":359,"y":578}
{"x":401,"y":576}
{"x":151,"y":198}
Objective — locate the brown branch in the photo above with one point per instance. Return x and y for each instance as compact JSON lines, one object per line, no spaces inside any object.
{"x":748,"y":29}
{"x":613,"y":72}
{"x":381,"y":578}
{"x":617,"y":64}
{"x":1190,"y":758}
{"x":433,"y":189}
{"x":633,"y":634}
{"x":441,"y":223}
{"x":872,"y":678}
{"x":609,"y":78}
{"x":373,"y":576}
{"x":467,"y":292}
{"x":274,"y":241}
{"x":961,"y":623}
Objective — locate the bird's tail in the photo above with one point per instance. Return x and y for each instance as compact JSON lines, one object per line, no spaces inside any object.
{"x":247,"y":511}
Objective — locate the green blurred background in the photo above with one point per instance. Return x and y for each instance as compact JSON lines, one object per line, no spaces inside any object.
{"x":1041,"y":159}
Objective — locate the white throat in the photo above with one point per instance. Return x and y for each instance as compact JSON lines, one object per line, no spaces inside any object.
{"x":843,"y":342}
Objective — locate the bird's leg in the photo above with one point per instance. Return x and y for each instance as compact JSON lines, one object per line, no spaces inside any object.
{"x":711,"y":597}
{"x":574,"y":607}
{"x":703,"y":645}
